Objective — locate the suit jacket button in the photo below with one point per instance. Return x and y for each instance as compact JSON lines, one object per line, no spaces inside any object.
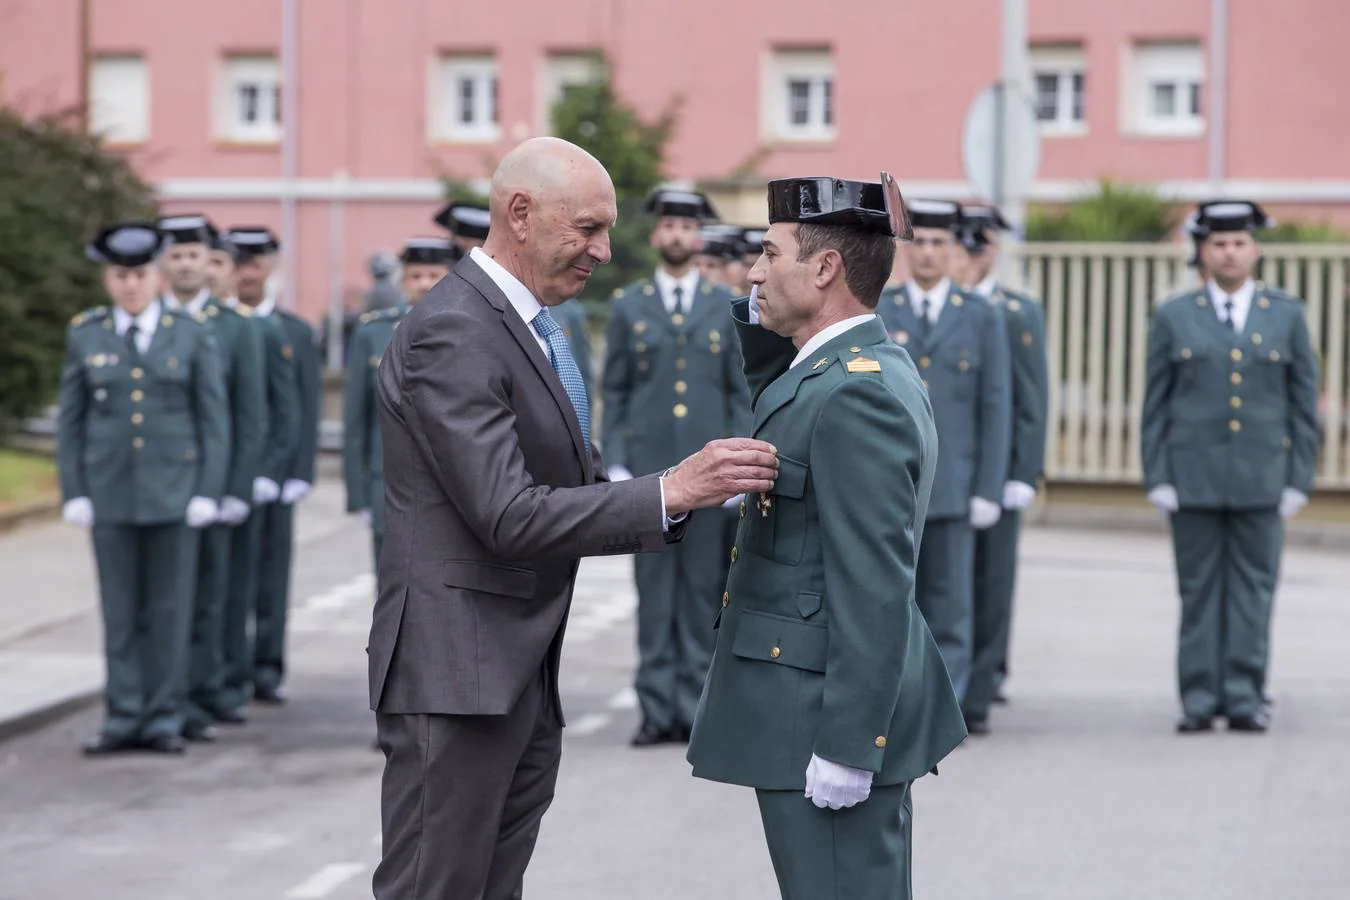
{"x":775,"y":652}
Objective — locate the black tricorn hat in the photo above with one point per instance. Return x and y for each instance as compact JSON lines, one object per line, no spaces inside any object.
{"x":871,"y":206}
{"x":129,"y":244}
{"x":1228,"y":215}
{"x":191,"y":228}
{"x":722,"y":241}
{"x":680,"y":203}
{"x":428,"y":251}
{"x":466,"y":220}
{"x":253,"y":240}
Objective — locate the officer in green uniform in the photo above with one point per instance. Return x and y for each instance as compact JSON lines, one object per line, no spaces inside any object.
{"x":1229,"y":443}
{"x":142,"y":446}
{"x":960,"y":344}
{"x":719,"y":262}
{"x":185,"y":265}
{"x":278,"y":530}
{"x":425,"y":262}
{"x":751,"y":241}
{"x":673,"y":382}
{"x":827,"y":693}
{"x":252,"y":249}
{"x":996,"y":547}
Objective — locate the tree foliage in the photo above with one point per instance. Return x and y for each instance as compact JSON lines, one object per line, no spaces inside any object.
{"x":58,"y":186}
{"x":1115,"y":212}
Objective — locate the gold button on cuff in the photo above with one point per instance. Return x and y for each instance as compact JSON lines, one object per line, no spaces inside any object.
{"x":680,"y":410}
{"x":880,"y":741}
{"x":1234,"y":425}
{"x":1235,"y":402}
{"x":137,"y":418}
{"x":137,"y":396}
{"x":138,"y":443}
{"x":137,"y":373}
{"x":681,"y":387}
{"x":775,"y":652}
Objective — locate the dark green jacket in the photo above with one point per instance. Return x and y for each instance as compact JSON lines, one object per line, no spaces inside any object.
{"x":362,"y":447}
{"x":283,"y":396}
{"x":820,"y":646}
{"x":1230,"y":420}
{"x":302,"y":340}
{"x":241,"y":355}
{"x":1025,"y":322}
{"x":140,"y":437}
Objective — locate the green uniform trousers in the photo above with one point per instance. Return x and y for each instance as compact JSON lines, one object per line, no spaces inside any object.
{"x":995,"y":582}
{"x":679,"y":596}
{"x":943,"y":588}
{"x":273,"y":597}
{"x":145,"y":581}
{"x":1228,"y":562}
{"x":245,"y":549}
{"x":860,"y":853}
{"x":206,"y":659}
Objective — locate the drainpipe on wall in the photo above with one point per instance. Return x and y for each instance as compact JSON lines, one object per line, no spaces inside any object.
{"x":1218,"y":93}
{"x":290,"y":137}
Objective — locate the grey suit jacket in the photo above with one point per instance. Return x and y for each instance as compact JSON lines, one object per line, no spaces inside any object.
{"x":491,"y":497}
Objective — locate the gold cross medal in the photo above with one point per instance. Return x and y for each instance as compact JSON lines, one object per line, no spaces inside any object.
{"x":765,"y":504}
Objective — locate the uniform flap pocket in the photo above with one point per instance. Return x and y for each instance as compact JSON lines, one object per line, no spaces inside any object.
{"x":1279,"y":354}
{"x":778,"y":639}
{"x":808,"y":603}
{"x":490,"y":578}
{"x":1185,"y":354}
{"x":791,"y":478}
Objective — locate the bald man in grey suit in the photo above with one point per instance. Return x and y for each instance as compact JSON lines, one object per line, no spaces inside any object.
{"x":493,"y":491}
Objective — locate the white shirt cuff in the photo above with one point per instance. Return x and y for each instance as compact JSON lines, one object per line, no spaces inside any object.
{"x":667,"y":521}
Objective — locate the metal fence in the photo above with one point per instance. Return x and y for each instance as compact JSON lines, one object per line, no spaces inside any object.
{"x":1098,"y":299}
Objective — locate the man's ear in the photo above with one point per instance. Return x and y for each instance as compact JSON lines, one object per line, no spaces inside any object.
{"x":518,"y":210}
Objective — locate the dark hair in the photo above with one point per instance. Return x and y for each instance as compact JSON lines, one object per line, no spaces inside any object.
{"x":867,"y":257}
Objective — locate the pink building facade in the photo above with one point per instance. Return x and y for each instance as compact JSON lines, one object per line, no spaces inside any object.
{"x":390,"y":96}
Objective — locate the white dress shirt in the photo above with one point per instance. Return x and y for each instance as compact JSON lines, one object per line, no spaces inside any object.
{"x":1242,"y":302}
{"x":195,"y":305}
{"x":827,"y":334}
{"x":146,"y":322}
{"x":986,"y":288}
{"x":666,"y":284}
{"x":937,"y":298}
{"x":527,"y":306}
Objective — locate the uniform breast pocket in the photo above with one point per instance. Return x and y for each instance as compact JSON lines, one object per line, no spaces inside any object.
{"x":171,"y":382}
{"x":962,"y":367}
{"x":1187,"y":362}
{"x":1272,"y":362}
{"x":778,"y":529}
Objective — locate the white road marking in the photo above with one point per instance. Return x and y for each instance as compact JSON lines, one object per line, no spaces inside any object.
{"x":258,"y":842}
{"x":624,"y":699}
{"x":325,"y":881}
{"x":587,"y":725}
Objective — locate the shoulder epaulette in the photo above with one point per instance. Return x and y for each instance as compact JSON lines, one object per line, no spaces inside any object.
{"x":89,"y":315}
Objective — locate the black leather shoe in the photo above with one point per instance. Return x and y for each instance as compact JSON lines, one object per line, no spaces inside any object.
{"x":649,"y":736}
{"x":229,"y":716}
{"x":272,"y":696}
{"x":1194,"y":725}
{"x":166,"y":743}
{"x":1256,"y":723}
{"x":977,"y":726}
{"x":203,"y":732}
{"x":107,"y":744}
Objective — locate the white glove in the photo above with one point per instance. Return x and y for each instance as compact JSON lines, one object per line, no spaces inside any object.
{"x":79,"y":512}
{"x":984,"y":514}
{"x":834,"y":785}
{"x":618,"y":473}
{"x":295,"y":490}
{"x":733,"y":502}
{"x":201,"y":511}
{"x":1164,"y":496}
{"x":265,"y":490}
{"x":1291,"y":501}
{"x":365,"y":516}
{"x":1018,"y":495}
{"x":233,"y":511}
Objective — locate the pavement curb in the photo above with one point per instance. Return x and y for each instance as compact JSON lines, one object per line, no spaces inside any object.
{"x":46,"y":713}
{"x":22,"y":513}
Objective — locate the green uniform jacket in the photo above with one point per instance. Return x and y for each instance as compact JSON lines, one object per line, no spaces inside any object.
{"x":362,"y":448}
{"x":303,"y":343}
{"x":1025,"y":322}
{"x":1230,"y":420}
{"x":283,"y":396}
{"x":670,"y":388}
{"x":241,"y":355}
{"x":572,"y":317}
{"x":964,"y":364}
{"x":820,"y":646}
{"x":140,"y":438}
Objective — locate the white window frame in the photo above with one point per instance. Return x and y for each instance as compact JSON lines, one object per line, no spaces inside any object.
{"x":1179,"y":65}
{"x":262,"y":72}
{"x":119,"y":98}
{"x":1062,"y":63}
{"x":559,"y":71}
{"x":814,"y":67}
{"x":451,"y":70}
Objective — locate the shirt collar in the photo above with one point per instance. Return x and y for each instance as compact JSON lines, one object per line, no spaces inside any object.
{"x":266,"y":307}
{"x":1242,"y":297}
{"x":986,"y":288}
{"x":667,"y":282}
{"x":829,"y":333}
{"x":525,"y":304}
{"x":195,"y":305}
{"x":145,"y":322}
{"x":938,"y":295}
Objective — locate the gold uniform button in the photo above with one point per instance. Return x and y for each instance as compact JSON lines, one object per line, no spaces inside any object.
{"x":137,"y":373}
{"x":1236,"y":378}
{"x":1185,"y":352}
{"x":137,"y":396}
{"x":1287,"y":443}
{"x":924,"y":362}
{"x":880,"y":741}
{"x":1256,"y":338}
{"x":963,"y":365}
{"x":678,"y":319}
{"x":742,"y":509}
{"x":775,"y":652}
{"x":680,"y":410}
{"x":1237,"y":355}
{"x":734,"y":554}
{"x":138,"y":443}
{"x":1234,"y":425}
{"x":1235,"y":402}
{"x":681,"y":387}
{"x":1274,"y":355}
{"x":137,"y":418}
{"x":726,"y":599}
{"x":855,"y":349}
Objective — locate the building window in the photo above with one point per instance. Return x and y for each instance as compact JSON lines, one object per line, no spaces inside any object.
{"x":1057,"y":77}
{"x":119,"y":99}
{"x":466,"y":101}
{"x":1165,"y":81}
{"x":250,"y":103}
{"x":561,"y":72}
{"x":798,"y":100}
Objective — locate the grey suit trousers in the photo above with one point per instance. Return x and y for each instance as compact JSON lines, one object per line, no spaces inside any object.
{"x":463,"y":797}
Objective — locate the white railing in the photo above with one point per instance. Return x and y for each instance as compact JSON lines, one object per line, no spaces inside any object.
{"x":1098,"y":299}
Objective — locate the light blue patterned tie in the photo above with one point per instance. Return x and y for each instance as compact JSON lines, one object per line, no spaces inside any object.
{"x":560,"y":355}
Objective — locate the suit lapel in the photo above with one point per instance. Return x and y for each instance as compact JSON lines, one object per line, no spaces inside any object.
{"x":907,"y":335}
{"x":952,"y":312}
{"x":472,"y":273}
{"x":704,"y":305}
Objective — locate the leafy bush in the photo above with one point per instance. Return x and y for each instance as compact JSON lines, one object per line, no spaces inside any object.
{"x":1115,"y":213}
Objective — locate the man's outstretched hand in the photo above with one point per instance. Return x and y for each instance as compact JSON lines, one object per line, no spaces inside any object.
{"x":720,"y":471}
